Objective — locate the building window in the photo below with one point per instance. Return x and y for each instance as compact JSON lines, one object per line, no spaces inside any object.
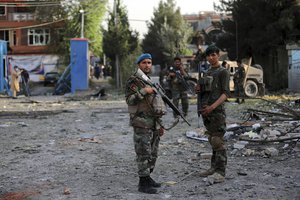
{"x":14,"y":38}
{"x":4,"y":35}
{"x":60,"y":34}
{"x":2,"y":10}
{"x":37,"y":37}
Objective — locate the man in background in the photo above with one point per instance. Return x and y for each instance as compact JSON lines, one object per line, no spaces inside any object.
{"x":176,"y":76}
{"x":14,"y":84}
{"x":25,"y":81}
{"x":238,"y":79}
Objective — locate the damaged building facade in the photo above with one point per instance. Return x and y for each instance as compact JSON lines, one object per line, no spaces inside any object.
{"x":28,"y":40}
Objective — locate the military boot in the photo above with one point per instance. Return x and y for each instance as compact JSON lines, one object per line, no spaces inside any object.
{"x":145,"y":186}
{"x":221,"y":162}
{"x":219,"y":175}
{"x":211,"y":170}
{"x":215,"y":178}
{"x":237,"y":100}
{"x":153,"y":183}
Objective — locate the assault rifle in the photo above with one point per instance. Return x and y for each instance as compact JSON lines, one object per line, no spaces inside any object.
{"x":159,"y":90}
{"x":182,"y":80}
{"x":200,"y":93}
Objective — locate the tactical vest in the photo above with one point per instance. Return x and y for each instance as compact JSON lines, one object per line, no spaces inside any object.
{"x":151,"y":105}
{"x":211,"y":84}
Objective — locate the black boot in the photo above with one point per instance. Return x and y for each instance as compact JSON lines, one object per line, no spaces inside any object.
{"x":145,"y":186}
{"x":153,"y":183}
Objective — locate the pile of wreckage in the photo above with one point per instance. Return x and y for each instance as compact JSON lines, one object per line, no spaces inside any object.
{"x":263,"y":132}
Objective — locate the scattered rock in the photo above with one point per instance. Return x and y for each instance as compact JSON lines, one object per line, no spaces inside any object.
{"x":271,"y":151}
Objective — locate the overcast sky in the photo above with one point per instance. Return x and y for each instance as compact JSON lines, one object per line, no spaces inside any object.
{"x":139,"y":11}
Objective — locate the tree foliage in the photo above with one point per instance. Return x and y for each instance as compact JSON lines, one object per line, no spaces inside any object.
{"x":120,"y":40}
{"x":168,"y":34}
{"x":69,"y":11}
{"x":258,"y":26}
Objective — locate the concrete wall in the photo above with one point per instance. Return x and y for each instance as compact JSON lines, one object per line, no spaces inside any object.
{"x":294,"y":67}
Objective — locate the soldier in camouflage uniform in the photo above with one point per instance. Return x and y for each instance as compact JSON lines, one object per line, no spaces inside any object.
{"x":179,"y":92}
{"x":215,"y":92}
{"x":238,"y":79}
{"x":145,"y":117}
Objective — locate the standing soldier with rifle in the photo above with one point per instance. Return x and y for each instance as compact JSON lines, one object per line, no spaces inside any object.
{"x":238,"y":79}
{"x":214,"y":90}
{"x":145,"y":118}
{"x":146,"y":105}
{"x":176,"y":79}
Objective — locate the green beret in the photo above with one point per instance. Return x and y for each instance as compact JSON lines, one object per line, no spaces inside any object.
{"x":211,"y":49}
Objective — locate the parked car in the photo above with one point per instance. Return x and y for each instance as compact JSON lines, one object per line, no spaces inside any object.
{"x":51,"y":78}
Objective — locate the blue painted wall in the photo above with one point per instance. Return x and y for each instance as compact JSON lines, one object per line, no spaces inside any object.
{"x":3,"y":52}
{"x":79,"y":64}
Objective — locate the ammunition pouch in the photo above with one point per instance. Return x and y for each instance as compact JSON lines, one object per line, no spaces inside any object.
{"x":206,"y":83}
{"x":151,"y":104}
{"x":142,"y":121}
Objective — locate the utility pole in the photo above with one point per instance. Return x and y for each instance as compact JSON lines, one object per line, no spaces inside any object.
{"x":82,"y":23}
{"x":236,"y":40}
{"x":117,"y":56}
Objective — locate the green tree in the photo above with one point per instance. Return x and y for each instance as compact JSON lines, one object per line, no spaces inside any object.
{"x":120,"y":40}
{"x":168,"y":34}
{"x":68,"y":12}
{"x":258,"y":26}
{"x":261,"y":29}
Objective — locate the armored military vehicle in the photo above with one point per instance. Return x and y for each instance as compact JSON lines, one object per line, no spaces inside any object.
{"x":253,"y":83}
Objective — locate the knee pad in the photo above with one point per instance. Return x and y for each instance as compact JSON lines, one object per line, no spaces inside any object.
{"x":217,"y":143}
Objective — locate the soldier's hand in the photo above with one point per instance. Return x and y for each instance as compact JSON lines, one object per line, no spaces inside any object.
{"x":206,"y":110}
{"x":161,"y":131}
{"x":172,"y":74}
{"x":149,"y":90}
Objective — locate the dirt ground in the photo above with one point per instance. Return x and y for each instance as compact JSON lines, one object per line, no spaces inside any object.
{"x":81,"y":148}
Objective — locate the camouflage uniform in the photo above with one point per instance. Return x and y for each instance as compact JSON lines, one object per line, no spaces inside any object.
{"x":146,"y":124}
{"x":215,"y":121}
{"x":179,"y":92}
{"x":238,"y":79}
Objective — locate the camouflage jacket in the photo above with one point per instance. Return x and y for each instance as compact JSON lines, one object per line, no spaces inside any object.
{"x":239,"y":75}
{"x":140,"y":104}
{"x":175,"y":82}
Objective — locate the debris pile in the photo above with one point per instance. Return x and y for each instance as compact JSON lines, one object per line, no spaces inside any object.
{"x":278,"y":127}
{"x":265,"y":130}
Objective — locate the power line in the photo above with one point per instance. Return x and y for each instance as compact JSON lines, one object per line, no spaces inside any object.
{"x":30,"y":5}
{"x":31,"y":26}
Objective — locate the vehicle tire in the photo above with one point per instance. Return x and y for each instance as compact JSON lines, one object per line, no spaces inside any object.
{"x":251,"y":89}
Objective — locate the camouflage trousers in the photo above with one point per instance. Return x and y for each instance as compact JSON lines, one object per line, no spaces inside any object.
{"x":183,"y":96}
{"x":216,"y":126}
{"x":146,"y":143}
{"x":239,"y":89}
